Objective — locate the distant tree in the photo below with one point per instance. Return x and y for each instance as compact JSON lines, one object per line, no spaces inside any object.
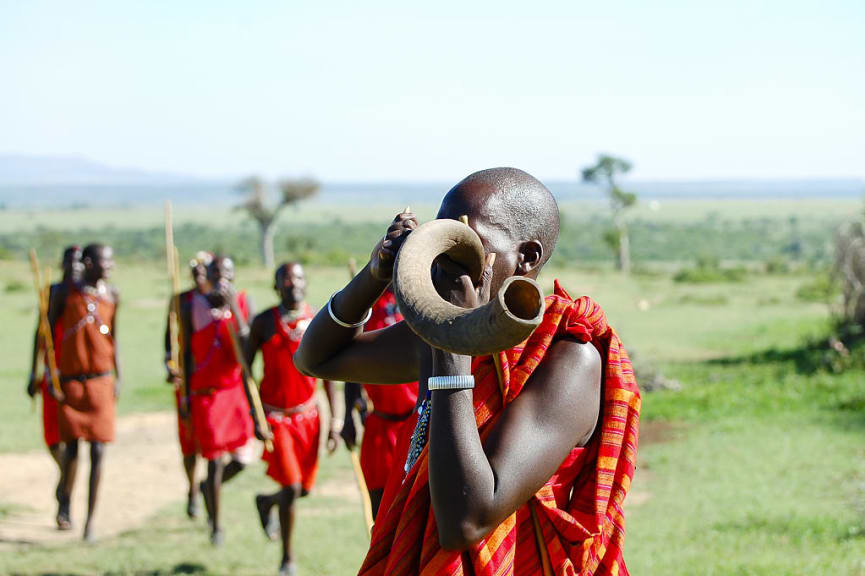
{"x":260,"y":207}
{"x":603,"y":173}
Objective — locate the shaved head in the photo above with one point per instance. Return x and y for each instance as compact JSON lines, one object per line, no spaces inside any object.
{"x":517,"y":202}
{"x":514,"y":215}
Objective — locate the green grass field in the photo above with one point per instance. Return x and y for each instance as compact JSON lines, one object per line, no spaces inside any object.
{"x":755,"y":466}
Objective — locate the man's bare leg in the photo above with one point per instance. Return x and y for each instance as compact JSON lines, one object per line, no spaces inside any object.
{"x":214,"y":485}
{"x":189,"y":463}
{"x":232,"y":469}
{"x":287,"y":497}
{"x":97,"y":455}
{"x":67,"y":483}
{"x":56,"y":451}
{"x":375,"y":500}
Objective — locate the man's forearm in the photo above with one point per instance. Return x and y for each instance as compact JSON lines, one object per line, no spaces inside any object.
{"x":349,"y":305}
{"x":462,"y":485}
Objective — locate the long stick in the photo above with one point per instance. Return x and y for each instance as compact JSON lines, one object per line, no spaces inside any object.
{"x":364,"y":492}
{"x":251,"y":388}
{"x":171,"y":258}
{"x":42,"y":293}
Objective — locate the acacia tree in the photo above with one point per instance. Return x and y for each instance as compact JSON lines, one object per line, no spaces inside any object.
{"x":603,"y":173}
{"x":264,"y":211}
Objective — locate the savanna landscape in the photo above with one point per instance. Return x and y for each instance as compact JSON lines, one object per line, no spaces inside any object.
{"x":752,"y":449}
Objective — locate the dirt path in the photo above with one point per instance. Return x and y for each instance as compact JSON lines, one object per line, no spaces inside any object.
{"x":142,"y":474}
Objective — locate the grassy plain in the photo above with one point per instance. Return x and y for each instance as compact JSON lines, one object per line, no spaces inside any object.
{"x":755,"y":466}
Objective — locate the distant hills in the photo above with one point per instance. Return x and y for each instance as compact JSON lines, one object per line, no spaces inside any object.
{"x":59,"y":182}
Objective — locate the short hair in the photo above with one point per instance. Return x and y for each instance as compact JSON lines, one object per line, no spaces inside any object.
{"x":521,"y":203}
{"x":92,"y":251}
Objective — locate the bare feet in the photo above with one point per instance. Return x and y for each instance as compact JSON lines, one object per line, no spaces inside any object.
{"x":192,"y":508}
{"x":217,"y":538}
{"x":88,"y":533}
{"x":288,"y":568}
{"x":63,"y":521}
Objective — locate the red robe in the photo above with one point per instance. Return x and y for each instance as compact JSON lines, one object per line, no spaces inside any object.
{"x":289,"y":403}
{"x":50,"y":408}
{"x":220,"y":410}
{"x":392,"y":407}
{"x":575,"y":523}
{"x":86,"y":368}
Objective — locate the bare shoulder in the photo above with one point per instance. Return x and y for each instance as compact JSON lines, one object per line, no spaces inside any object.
{"x":567,"y":385}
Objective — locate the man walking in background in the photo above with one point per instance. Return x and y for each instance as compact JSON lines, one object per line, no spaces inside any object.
{"x":90,"y":374}
{"x":72,"y":269}
{"x":289,"y":403}
{"x":186,"y":437}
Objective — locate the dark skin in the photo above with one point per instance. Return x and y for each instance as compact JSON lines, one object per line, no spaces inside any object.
{"x":474,"y":485}
{"x":222,"y":295}
{"x":72,"y":271}
{"x":97,"y":271}
{"x":290,"y":285}
{"x":199,"y":279}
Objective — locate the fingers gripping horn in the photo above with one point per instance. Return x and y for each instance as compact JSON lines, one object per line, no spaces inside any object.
{"x":508,"y":319}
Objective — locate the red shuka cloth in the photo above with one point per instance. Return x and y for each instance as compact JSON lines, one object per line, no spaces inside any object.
{"x":220,"y":410}
{"x":50,"y":408}
{"x":380,"y":435}
{"x":294,"y":459}
{"x":88,"y":411}
{"x":578,"y":511}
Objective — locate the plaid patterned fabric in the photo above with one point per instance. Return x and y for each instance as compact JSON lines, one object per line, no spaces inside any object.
{"x":575,"y":523}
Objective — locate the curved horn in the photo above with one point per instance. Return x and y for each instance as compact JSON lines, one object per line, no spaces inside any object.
{"x":506,"y":320}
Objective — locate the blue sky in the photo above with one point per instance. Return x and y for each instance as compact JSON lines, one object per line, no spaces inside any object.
{"x":389,"y":91}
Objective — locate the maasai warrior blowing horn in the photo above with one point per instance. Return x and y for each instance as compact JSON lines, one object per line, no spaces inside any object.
{"x":518,"y":463}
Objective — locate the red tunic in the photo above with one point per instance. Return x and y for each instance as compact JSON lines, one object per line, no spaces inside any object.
{"x":392,"y":406}
{"x":218,"y":404}
{"x":86,"y":368}
{"x":575,"y":522}
{"x":50,"y":409}
{"x":289,"y":402}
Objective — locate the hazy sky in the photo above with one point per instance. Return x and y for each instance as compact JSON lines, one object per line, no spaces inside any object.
{"x":384,"y":90}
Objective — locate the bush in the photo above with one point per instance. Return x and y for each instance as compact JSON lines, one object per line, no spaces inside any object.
{"x":708,"y":270}
{"x":820,"y":289}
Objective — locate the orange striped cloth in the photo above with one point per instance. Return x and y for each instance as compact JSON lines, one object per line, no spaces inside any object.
{"x":575,"y":523}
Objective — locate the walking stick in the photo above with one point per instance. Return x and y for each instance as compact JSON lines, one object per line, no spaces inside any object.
{"x":355,"y":461}
{"x":364,"y":492}
{"x":251,"y":388}
{"x":175,"y":329}
{"x":42,"y":293}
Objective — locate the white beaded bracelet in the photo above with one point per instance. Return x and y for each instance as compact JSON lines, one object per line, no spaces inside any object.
{"x":459,"y":382}
{"x":333,"y":317}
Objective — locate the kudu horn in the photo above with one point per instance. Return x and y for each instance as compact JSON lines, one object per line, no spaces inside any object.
{"x":508,"y":319}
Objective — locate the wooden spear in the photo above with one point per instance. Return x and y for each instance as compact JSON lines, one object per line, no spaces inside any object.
{"x":174,"y":328}
{"x":251,"y":387}
{"x":45,"y":334}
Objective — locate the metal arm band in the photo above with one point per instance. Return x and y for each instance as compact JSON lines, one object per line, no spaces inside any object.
{"x":333,"y":317}
{"x":460,"y":382}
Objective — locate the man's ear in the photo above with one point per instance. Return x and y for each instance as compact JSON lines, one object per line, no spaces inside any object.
{"x":531,"y":254}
